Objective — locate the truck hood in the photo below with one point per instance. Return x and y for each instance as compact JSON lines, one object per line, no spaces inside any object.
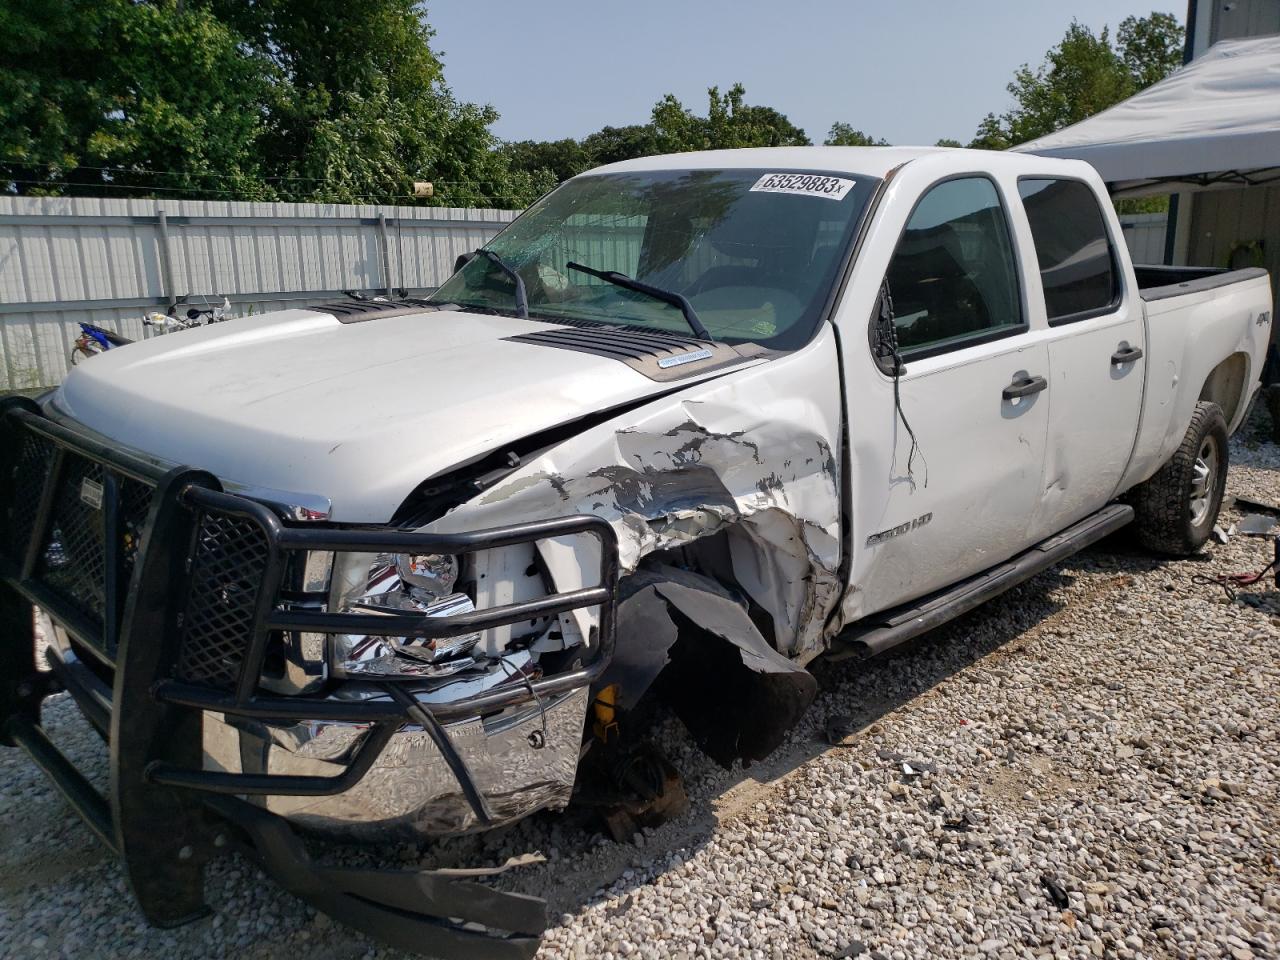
{"x":358,"y":413}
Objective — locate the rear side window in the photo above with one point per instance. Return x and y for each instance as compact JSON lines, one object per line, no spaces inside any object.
{"x":1077,"y":265}
{"x":953,"y":278}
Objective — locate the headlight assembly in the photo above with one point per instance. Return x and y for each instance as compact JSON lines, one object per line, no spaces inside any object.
{"x":432,"y":574}
{"x":402,"y":583}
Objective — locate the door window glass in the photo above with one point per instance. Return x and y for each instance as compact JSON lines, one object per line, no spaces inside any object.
{"x":953,"y":278}
{"x":1077,"y":266}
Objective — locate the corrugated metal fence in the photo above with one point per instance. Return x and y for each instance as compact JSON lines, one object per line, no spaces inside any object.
{"x":108,"y":262}
{"x":1144,"y":234}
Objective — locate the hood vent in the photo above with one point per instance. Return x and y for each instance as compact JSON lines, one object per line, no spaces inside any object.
{"x":357,"y":311}
{"x":659,"y":356}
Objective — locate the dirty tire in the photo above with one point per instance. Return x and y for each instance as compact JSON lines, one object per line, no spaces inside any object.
{"x":1177,"y":508}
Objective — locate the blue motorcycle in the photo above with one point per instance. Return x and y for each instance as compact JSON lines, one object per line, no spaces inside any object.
{"x":94,"y":340}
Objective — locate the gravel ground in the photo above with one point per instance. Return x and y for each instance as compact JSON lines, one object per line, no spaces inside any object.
{"x":1093,"y":773}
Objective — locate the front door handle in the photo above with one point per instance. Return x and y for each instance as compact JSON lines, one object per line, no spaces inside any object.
{"x":1024,"y":387}
{"x":1126,"y":355}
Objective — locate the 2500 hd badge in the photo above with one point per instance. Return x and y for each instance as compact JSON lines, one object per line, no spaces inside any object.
{"x":899,"y":530}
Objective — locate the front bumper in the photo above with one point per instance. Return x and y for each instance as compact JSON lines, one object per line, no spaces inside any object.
{"x":409,"y":792}
{"x":166,"y":604}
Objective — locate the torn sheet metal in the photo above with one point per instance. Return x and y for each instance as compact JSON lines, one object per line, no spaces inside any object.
{"x":1247,"y":503}
{"x":752,"y":453}
{"x":646,"y":630}
{"x":737,"y":695}
{"x":1257,"y":525}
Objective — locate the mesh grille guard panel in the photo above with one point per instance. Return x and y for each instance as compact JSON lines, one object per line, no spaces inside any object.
{"x":659,"y":356}
{"x":227,"y":570}
{"x":75,"y":559}
{"x":30,"y":474}
{"x":74,"y":549}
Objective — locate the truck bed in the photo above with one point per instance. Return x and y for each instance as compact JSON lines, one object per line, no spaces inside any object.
{"x":1157,"y":282}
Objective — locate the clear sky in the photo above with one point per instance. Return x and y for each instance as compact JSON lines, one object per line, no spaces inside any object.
{"x":910,"y":71}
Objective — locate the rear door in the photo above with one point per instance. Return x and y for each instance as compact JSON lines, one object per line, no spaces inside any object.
{"x":1096,"y":348}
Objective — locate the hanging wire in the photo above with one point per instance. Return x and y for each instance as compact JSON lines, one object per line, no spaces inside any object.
{"x":1230,"y":581}
{"x":889,"y":338}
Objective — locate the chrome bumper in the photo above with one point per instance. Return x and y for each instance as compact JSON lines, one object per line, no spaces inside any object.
{"x":522,"y":759}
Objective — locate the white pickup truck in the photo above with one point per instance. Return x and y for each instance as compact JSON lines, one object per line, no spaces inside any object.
{"x":685,"y":425}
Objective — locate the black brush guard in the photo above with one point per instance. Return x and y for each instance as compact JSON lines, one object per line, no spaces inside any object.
{"x":128,"y":611}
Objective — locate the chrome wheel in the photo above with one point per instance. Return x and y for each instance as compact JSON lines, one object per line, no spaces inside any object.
{"x":1204,"y":480}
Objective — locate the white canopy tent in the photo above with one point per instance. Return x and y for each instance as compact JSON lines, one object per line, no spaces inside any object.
{"x":1213,"y":123}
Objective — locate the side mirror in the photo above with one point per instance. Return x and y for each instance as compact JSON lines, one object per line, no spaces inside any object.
{"x":884,"y":334}
{"x":463,"y":260}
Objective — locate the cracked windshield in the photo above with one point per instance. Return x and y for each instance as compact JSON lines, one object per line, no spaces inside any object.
{"x":753,"y":253}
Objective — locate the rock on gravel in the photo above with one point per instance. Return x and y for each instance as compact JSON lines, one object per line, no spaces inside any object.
{"x":1093,"y":773}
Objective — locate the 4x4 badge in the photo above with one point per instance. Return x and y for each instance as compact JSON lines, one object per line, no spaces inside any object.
{"x":91,"y":493}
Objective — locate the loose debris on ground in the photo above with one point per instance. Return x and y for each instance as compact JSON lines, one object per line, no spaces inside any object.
{"x":1086,"y":767}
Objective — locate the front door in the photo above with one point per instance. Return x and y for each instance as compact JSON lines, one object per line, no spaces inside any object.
{"x":956,"y":497}
{"x":1096,"y":342}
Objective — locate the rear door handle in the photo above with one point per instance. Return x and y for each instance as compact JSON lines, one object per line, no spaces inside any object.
{"x":1024,"y":387}
{"x":1126,"y":355}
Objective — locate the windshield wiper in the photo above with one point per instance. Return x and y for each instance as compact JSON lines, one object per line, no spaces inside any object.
{"x":667,"y":296}
{"x":522,"y":297}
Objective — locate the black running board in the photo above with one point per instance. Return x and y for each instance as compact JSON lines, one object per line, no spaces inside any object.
{"x":880,"y":631}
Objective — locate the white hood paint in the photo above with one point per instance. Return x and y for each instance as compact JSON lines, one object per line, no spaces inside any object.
{"x":359,"y":413}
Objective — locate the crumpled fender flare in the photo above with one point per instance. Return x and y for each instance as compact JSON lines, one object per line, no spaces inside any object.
{"x":737,"y":694}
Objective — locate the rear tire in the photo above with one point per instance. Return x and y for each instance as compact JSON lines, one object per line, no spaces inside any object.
{"x":1177,"y":508}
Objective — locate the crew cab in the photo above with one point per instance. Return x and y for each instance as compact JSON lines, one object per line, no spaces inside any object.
{"x":690,"y":422}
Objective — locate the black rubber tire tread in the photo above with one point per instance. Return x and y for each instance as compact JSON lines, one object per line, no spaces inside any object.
{"x":1163,"y":518}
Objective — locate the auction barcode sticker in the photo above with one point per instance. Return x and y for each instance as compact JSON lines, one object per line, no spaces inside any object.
{"x":805,"y":184}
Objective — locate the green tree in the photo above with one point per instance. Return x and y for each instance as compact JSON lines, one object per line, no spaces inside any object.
{"x":361,"y":108}
{"x":612,"y":144}
{"x":730,"y":123}
{"x":1151,"y":47}
{"x":948,"y":142}
{"x":47,"y":99}
{"x":330,"y":100}
{"x":1084,"y":74}
{"x":94,"y":96}
{"x":548,"y":162}
{"x":842,"y":134}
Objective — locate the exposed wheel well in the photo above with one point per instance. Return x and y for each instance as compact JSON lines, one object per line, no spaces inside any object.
{"x":1225,"y":385}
